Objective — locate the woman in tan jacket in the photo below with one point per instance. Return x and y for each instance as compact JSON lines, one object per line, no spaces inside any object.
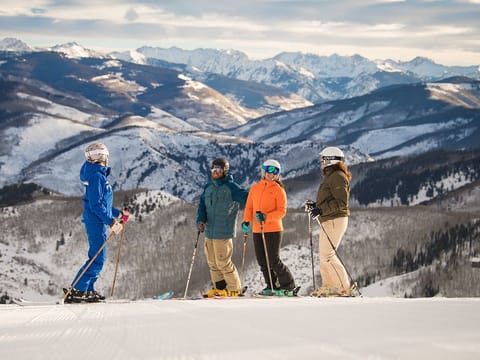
{"x":332,"y":207}
{"x":266,"y":206}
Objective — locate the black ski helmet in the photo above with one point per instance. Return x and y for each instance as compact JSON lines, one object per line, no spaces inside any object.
{"x":223,"y":163}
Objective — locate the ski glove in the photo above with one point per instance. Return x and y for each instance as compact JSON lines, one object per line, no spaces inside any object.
{"x":309,"y":205}
{"x":260,"y":217}
{"x":124,"y":215}
{"x":315,"y":213}
{"x":116,"y":227}
{"x":201,"y":226}
{"x":245,"y":226}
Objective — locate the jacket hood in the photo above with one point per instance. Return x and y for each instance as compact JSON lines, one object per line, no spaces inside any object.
{"x":89,"y":168}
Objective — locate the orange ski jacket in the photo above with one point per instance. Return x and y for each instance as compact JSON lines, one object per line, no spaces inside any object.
{"x":269,"y":198}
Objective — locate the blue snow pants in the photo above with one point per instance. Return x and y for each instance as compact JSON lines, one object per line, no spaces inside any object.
{"x":96,"y":234}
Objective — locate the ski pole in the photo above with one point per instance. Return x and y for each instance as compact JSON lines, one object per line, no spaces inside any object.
{"x":245,"y":235}
{"x":118,"y":261}
{"x":311,"y":249}
{"x":88,"y":266}
{"x":191,"y":265}
{"x":354,"y":283}
{"x":266,"y":254}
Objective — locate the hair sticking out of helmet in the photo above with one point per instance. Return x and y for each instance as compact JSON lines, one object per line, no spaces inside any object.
{"x":223,"y":163}
{"x":271,"y":166}
{"x":97,"y":153}
{"x":331,"y":155}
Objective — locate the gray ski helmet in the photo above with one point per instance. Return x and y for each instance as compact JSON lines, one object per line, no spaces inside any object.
{"x":223,"y":163}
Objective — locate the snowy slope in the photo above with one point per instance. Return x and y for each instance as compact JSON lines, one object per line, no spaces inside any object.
{"x":398,"y":120}
{"x":305,"y":328}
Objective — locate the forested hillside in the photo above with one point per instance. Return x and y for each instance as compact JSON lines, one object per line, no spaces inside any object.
{"x":43,"y":244}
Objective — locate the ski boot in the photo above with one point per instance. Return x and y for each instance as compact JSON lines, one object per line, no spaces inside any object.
{"x":237,"y":293}
{"x":75,"y":296}
{"x":94,"y":296}
{"x":326,"y":291}
{"x":267,"y":292}
{"x":215,"y":292}
{"x":287,"y":292}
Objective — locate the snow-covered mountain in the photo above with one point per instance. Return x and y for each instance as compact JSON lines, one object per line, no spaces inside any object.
{"x":397,"y":120}
{"x":14,"y":45}
{"x":75,"y":51}
{"x":316,"y":78}
{"x":158,"y":123}
{"x":286,"y":81}
{"x":163,"y":128}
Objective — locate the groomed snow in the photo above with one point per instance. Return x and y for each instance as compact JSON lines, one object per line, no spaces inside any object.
{"x":279,"y":328}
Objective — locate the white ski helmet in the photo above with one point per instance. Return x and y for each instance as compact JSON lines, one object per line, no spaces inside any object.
{"x":96,"y":153}
{"x":271,"y":166}
{"x":331,"y":155}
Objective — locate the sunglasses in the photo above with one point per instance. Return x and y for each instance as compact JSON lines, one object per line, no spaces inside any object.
{"x":271,"y":169}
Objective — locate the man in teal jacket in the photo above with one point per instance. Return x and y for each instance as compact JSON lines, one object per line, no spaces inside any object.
{"x":217,"y":216}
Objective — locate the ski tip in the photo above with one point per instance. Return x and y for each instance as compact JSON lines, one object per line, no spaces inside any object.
{"x":164,"y":296}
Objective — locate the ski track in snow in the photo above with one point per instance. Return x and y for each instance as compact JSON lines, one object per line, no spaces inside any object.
{"x":277,"y":328}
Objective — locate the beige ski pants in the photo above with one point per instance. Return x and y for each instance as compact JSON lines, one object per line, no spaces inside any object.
{"x":331,"y":269}
{"x":219,"y":259}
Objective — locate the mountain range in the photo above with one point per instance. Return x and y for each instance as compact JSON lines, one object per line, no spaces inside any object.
{"x":163,"y":128}
{"x":315,"y":78}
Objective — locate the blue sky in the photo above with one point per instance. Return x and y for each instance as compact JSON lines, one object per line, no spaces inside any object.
{"x":446,"y":31}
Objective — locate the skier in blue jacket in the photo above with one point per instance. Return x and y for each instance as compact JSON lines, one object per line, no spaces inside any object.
{"x":217,"y":216}
{"x":98,"y":215}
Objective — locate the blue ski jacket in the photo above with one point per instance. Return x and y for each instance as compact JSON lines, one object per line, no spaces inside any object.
{"x":98,"y":198}
{"x":218,"y":207}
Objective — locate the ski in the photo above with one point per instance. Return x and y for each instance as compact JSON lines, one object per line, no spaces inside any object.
{"x":164,"y":296}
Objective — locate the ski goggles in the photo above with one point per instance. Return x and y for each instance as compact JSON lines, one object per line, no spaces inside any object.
{"x":270,"y":169}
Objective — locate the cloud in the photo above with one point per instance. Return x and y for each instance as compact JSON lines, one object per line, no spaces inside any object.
{"x":435,"y":27}
{"x":131,"y":15}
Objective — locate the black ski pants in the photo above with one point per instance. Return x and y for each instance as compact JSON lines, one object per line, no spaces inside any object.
{"x":281,"y":276}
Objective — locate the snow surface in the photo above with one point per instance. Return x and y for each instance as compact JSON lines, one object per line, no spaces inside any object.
{"x":249,"y":328}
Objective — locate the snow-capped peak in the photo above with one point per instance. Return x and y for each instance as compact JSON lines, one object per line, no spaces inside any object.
{"x":131,"y":56}
{"x":13,"y":44}
{"x":74,"y":51}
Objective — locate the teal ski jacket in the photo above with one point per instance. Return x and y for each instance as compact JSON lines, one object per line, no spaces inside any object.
{"x":218,"y":207}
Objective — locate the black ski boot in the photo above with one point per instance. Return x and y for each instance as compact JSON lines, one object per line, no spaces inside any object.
{"x":94,"y":296}
{"x":75,"y":296}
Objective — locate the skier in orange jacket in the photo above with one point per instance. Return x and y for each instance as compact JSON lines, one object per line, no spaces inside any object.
{"x":266,"y":206}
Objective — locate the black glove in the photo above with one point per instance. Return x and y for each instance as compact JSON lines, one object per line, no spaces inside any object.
{"x":309,"y":205}
{"x":315,"y":213}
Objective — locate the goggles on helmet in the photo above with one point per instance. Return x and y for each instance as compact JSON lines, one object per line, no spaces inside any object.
{"x":270,"y":169}
{"x":331,"y":157}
